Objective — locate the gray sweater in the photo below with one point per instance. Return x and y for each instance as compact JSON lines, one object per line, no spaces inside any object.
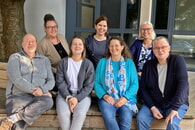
{"x":25,"y":74}
{"x":85,"y":79}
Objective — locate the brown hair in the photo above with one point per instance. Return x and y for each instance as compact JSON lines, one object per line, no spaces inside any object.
{"x":125,"y":52}
{"x":48,"y":17}
{"x":102,"y":18}
{"x":83,"y":55}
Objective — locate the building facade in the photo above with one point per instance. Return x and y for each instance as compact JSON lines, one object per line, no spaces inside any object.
{"x":174,"y":19}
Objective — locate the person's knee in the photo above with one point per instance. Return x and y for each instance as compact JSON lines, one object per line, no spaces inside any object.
{"x":79,"y":115}
{"x":126,"y":118}
{"x":48,"y":102}
{"x":173,"y":126}
{"x":144,"y":115}
{"x":105,"y":107}
{"x":139,"y":117}
{"x":64,"y":115}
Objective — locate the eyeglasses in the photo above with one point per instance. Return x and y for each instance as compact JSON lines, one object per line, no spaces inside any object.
{"x":145,"y":29}
{"x":52,"y":27}
{"x":160,"y":48}
{"x":112,"y":46}
{"x":29,"y":42}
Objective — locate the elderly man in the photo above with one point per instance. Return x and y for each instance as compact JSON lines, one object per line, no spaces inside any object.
{"x":27,"y":93}
{"x":164,"y":88}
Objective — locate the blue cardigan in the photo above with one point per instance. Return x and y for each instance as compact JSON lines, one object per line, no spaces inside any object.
{"x":176,"y":86}
{"x":131,"y":80}
{"x":135,"y":50}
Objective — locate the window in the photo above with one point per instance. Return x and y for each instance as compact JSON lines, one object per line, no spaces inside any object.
{"x":176,"y":20}
{"x":185,"y":15}
{"x":123,"y":17}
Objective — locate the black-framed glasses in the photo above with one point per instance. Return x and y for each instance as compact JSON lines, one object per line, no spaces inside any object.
{"x":52,"y":27}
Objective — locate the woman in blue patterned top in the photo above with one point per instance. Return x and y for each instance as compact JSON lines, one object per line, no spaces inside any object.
{"x":116,"y":85}
{"x":141,"y":49}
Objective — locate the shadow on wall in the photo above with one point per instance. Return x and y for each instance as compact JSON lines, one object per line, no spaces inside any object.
{"x":34,"y":11}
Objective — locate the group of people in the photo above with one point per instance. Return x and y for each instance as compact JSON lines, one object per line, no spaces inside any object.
{"x":117,"y":73}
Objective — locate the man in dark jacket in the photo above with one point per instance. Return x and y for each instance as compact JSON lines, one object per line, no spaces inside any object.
{"x":164,"y":88}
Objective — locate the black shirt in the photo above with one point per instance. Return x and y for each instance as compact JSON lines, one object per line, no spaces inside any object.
{"x":61,"y":51}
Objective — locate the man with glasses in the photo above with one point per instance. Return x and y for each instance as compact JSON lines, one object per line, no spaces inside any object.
{"x":164,"y":88}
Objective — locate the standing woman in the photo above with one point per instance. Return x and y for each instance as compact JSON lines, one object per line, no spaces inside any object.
{"x":141,"y":49}
{"x":53,"y":45}
{"x":116,"y":85}
{"x":97,"y":42}
{"x":74,"y":79}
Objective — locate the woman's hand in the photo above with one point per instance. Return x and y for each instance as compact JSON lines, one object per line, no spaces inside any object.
{"x":122,"y":101}
{"x":109,"y":99}
{"x":72,"y":103}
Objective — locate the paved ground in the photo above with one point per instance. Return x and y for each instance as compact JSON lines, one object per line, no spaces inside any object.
{"x":191,"y":78}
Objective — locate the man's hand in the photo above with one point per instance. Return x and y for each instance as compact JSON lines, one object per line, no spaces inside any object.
{"x":139,"y":74}
{"x":122,"y":101}
{"x":37,"y":91}
{"x":156,"y":113}
{"x":72,"y":103}
{"x":170,"y":116}
{"x":109,"y":99}
{"x":48,"y":94}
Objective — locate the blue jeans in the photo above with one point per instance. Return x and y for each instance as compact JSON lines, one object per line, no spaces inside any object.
{"x":145,"y":117}
{"x":109,"y":115}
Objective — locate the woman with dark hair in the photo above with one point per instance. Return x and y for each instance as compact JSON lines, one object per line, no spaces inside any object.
{"x":74,"y":79}
{"x":97,"y":42}
{"x":116,"y":85}
{"x":53,"y":45}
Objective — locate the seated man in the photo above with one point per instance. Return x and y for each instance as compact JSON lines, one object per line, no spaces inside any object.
{"x":27,"y":93}
{"x":164,"y":88}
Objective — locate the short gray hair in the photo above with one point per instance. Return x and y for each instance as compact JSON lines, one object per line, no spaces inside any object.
{"x":161,"y":38}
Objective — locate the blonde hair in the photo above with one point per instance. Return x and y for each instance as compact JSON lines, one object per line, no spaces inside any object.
{"x":153,"y":36}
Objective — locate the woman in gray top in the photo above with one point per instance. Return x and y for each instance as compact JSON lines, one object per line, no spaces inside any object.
{"x":74,"y":79}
